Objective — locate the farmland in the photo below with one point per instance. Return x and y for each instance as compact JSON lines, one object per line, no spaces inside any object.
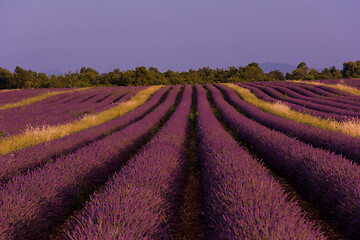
{"x":256,"y":160}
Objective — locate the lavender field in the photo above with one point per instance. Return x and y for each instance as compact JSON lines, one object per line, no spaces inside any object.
{"x":259,"y":160}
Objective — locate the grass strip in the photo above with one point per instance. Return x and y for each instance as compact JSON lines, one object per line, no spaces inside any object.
{"x":351,"y":127}
{"x":338,"y":86}
{"x":46,"y":133}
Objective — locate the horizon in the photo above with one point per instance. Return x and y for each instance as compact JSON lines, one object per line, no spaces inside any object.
{"x":265,"y":69}
{"x":64,"y":36}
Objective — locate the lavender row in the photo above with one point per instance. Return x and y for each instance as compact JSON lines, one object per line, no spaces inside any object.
{"x":333,"y":141}
{"x":21,"y":160}
{"x":21,"y":114}
{"x":326,"y":104}
{"x":283,"y":96}
{"x":56,"y":113}
{"x":311,"y":93}
{"x":350,"y":82}
{"x":262,"y":95}
{"x":331,"y":182}
{"x":339,"y":95}
{"x":241,"y":198}
{"x":99,"y":102}
{"x":329,"y":92}
{"x":65,"y":114}
{"x":18,"y":95}
{"x":32,"y":204}
{"x":335,"y":104}
{"x":139,"y":202}
{"x":304,"y":90}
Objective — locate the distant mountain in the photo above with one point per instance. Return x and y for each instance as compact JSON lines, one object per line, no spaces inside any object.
{"x":282,"y":67}
{"x":53,"y":71}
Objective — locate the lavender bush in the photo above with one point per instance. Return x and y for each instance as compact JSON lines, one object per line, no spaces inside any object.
{"x":32,"y":204}
{"x":328,"y":180}
{"x":139,"y":201}
{"x":18,"y":161}
{"x":241,"y":198}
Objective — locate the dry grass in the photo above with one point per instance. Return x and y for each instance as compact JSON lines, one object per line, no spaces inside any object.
{"x":351,"y":128}
{"x":33,"y":136}
{"x":37,"y":98}
{"x":340,"y":86}
{"x":9,"y":90}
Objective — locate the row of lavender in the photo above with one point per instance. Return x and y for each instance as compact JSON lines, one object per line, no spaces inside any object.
{"x":63,"y":108}
{"x":28,"y":158}
{"x":333,"y":141}
{"x":270,"y":95}
{"x":14,"y":95}
{"x":331,"y":182}
{"x":33,"y":203}
{"x":350,"y":82}
{"x":316,"y":100}
{"x":240,"y":198}
{"x":139,"y":202}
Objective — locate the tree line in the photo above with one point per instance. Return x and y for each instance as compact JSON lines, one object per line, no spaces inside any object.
{"x":88,"y":77}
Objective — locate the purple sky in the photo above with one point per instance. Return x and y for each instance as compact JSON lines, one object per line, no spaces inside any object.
{"x":176,"y":34}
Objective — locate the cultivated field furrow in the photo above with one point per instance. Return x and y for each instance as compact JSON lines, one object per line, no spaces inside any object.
{"x":18,"y":120}
{"x":139,"y":202}
{"x":350,"y":82}
{"x":32,"y":204}
{"x":289,"y":92}
{"x":302,"y":109}
{"x":15,"y":95}
{"x":37,"y":98}
{"x":327,"y":93}
{"x":14,"y":119}
{"x":284,"y":96}
{"x":305,"y":90}
{"x":247,"y":160}
{"x":47,"y":133}
{"x":339,"y":86}
{"x":328,"y":180}
{"x":348,"y":127}
{"x":22,"y":160}
{"x":241,"y":198}
{"x":333,"y":141}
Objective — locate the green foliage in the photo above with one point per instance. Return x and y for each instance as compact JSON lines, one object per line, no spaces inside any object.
{"x":300,"y":73}
{"x":5,"y":78}
{"x":89,"y":77}
{"x":351,"y":69}
{"x":276,"y":75}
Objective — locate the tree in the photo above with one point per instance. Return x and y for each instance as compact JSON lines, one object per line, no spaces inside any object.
{"x":43,"y":80}
{"x":325,"y":74}
{"x":6,"y":78}
{"x":252,"y":72}
{"x":173,"y":77}
{"x":300,"y":73}
{"x":275,"y":75}
{"x":351,"y":70}
{"x":302,"y":66}
{"x":313,"y":73}
{"x":89,"y":77}
{"x":336,"y":74}
{"x":23,"y":79}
